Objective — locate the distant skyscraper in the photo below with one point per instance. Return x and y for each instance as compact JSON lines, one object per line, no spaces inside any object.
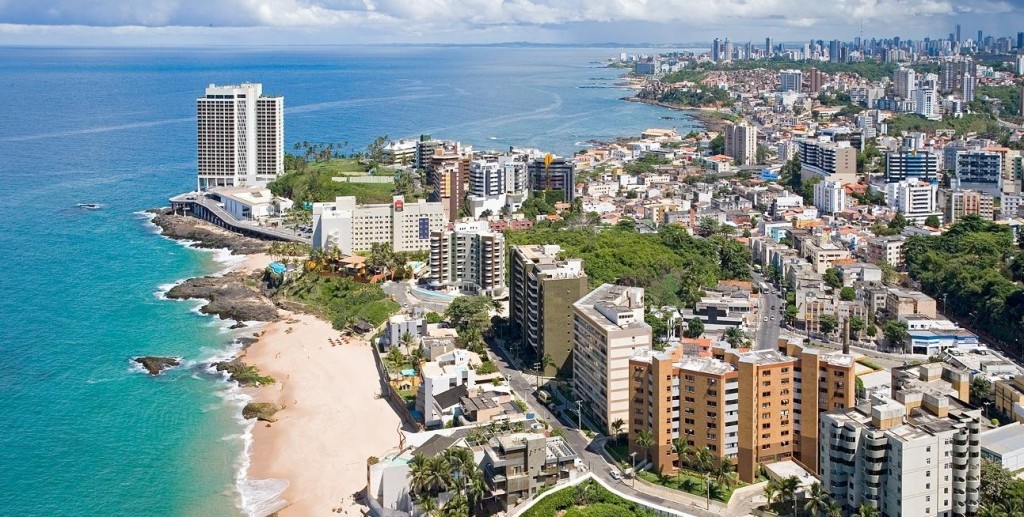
{"x":813,"y":81}
{"x":716,"y":54}
{"x":1020,"y":40}
{"x":968,"y":87}
{"x":768,"y":47}
{"x":727,"y":54}
{"x":240,"y":136}
{"x":958,"y":40}
{"x":833,"y":51}
{"x":979,"y":37}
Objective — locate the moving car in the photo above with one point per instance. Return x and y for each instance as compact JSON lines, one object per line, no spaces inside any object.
{"x":615,"y":474}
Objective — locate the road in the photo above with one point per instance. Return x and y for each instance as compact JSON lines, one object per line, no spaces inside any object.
{"x":767,"y":334}
{"x":587,"y":450}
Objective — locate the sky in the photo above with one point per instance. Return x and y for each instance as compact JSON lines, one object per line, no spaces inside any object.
{"x":316,"y":22}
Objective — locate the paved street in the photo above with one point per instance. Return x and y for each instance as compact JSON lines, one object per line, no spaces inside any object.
{"x":403,"y":294}
{"x":767,"y":335}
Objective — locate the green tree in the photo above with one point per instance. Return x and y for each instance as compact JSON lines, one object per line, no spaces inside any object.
{"x":617,"y":426}
{"x":856,"y":325}
{"x":872,"y":330}
{"x":932,"y":221}
{"x":683,"y":453}
{"x":694,"y":328}
{"x":644,"y":440}
{"x":791,"y":314}
{"x":828,"y":324}
{"x":866,"y":510}
{"x":981,"y":388}
{"x":817,"y":500}
{"x":895,"y":332}
{"x":847,"y":294}
{"x":832,"y":278}
{"x":735,"y":336}
{"x":717,"y":145}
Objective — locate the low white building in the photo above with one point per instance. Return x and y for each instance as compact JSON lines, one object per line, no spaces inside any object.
{"x":455,"y":368}
{"x":915,"y":200}
{"x":352,"y":227}
{"x":250,"y":203}
{"x":1004,"y":445}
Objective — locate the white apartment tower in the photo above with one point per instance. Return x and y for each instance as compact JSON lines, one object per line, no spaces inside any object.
{"x":240,"y":136}
{"x":914,"y":199}
{"x":920,"y":457}
{"x":608,"y":327}
{"x":829,"y":197}
{"x":470,"y":257}
{"x":741,"y":143}
{"x":791,"y":81}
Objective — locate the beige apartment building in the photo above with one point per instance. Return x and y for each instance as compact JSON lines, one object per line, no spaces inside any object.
{"x":742,"y":405}
{"x":352,"y":227}
{"x":1009,"y":397}
{"x":904,"y":302}
{"x":608,"y":327}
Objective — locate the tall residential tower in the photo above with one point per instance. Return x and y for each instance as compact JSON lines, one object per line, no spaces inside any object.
{"x":240,"y":136}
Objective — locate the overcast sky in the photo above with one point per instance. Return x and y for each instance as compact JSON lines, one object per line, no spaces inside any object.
{"x":299,"y":22}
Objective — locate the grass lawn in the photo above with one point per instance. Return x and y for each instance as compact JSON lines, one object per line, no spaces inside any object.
{"x":588,"y":499}
{"x":408,"y":395}
{"x":339,"y":167}
{"x":692,"y":483}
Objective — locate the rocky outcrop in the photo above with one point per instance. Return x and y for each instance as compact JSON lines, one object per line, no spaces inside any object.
{"x":204,"y":234}
{"x":228,"y":297}
{"x":242,"y":373}
{"x":260,"y":411}
{"x":154,"y":365}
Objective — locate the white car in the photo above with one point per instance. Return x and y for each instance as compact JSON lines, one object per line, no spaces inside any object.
{"x":766,"y":318}
{"x":615,"y":474}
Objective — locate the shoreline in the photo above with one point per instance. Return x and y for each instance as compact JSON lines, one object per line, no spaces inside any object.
{"x":310,"y":459}
{"x":701,"y":115}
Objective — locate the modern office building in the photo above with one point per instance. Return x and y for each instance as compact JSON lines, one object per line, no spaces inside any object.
{"x":915,"y":200}
{"x":926,"y":101}
{"x":911,"y":165}
{"x":558,"y":175}
{"x":916,"y":456}
{"x":791,"y":81}
{"x":608,"y":327}
{"x":240,"y":136}
{"x":830,"y":160}
{"x":741,"y":143}
{"x":351,"y":227}
{"x":979,"y":166}
{"x":542,"y":290}
{"x":829,"y":197}
{"x":469,"y":258}
{"x":744,"y":406}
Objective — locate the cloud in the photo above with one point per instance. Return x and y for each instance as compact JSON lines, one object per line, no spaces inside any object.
{"x":455,"y":20}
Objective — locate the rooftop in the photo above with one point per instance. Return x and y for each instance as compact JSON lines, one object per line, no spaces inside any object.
{"x":1007,"y":439}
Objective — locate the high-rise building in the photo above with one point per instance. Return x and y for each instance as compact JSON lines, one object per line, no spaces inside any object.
{"x":958,"y":40}
{"x":542,"y":289}
{"x":813,"y":81}
{"x":608,"y":327}
{"x":741,"y":143}
{"x":447,"y":171}
{"x":979,"y":166}
{"x":716,"y":50}
{"x":768,"y":50}
{"x":558,"y":175}
{"x":727,"y":52}
{"x":834,"y":51}
{"x":240,"y":136}
{"x":1020,"y":40}
{"x":926,"y":100}
{"x":969,"y":83}
{"x":905,"y":82}
{"x":791,"y":81}
{"x":829,"y":197}
{"x":920,"y":457}
{"x":915,"y":200}
{"x":960,"y":203}
{"x":830,"y":160}
{"x":351,"y":227}
{"x":469,"y":258}
{"x":751,"y":407}
{"x":496,"y":181}
{"x":911,"y":164}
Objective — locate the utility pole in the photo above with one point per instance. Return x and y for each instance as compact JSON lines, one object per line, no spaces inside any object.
{"x":579,"y":414}
{"x":846,"y":336}
{"x":633,"y":473}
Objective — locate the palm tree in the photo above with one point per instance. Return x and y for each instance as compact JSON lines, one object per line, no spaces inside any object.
{"x":617,"y":426}
{"x":866,"y":510}
{"x":771,"y":491}
{"x":725,"y":475}
{"x":545,"y":361}
{"x":474,"y":485}
{"x":704,"y":460}
{"x":418,"y":471}
{"x":734,"y":336}
{"x":457,"y":506}
{"x":1012,"y":507}
{"x":644,"y":440}
{"x":833,"y":509}
{"x":683,"y":451}
{"x":817,"y":499}
{"x":427,"y":504}
{"x":787,"y":491}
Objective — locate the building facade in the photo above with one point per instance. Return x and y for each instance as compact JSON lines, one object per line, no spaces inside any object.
{"x":469,"y":258}
{"x":911,"y":165}
{"x":830,"y":160}
{"x":557,"y":176}
{"x":542,"y":290}
{"x":240,"y":136}
{"x":741,"y":143}
{"x":608,"y":327}
{"x":351,"y":227}
{"x":915,"y":200}
{"x":829,"y":197}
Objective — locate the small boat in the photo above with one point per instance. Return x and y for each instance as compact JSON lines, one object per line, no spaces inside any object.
{"x":88,"y":206}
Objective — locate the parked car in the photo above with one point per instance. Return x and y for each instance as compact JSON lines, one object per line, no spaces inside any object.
{"x":615,"y":474}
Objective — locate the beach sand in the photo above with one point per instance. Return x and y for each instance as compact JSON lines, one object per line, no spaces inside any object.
{"x":331,"y":421}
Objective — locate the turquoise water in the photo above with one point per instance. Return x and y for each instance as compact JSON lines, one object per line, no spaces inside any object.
{"x":85,"y":432}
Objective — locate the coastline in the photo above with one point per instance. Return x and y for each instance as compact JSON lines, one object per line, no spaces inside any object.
{"x":702,"y":115}
{"x":310,"y":459}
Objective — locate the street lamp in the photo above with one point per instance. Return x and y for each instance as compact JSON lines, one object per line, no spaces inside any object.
{"x":579,"y":414}
{"x":633,"y":472}
{"x":707,"y":481}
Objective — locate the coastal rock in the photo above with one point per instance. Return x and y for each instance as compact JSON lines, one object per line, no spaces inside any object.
{"x":237,"y":325}
{"x":204,"y":234}
{"x":260,"y":411}
{"x":228,"y":297}
{"x":154,"y":365}
{"x":242,"y":373}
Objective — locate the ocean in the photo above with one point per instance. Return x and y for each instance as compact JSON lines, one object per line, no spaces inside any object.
{"x":86,"y":433}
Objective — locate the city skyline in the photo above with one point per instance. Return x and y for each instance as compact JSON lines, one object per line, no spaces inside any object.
{"x":279,"y":22}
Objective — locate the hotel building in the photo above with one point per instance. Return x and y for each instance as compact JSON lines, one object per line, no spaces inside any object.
{"x":352,"y":227}
{"x":240,"y":136}
{"x":542,"y":289}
